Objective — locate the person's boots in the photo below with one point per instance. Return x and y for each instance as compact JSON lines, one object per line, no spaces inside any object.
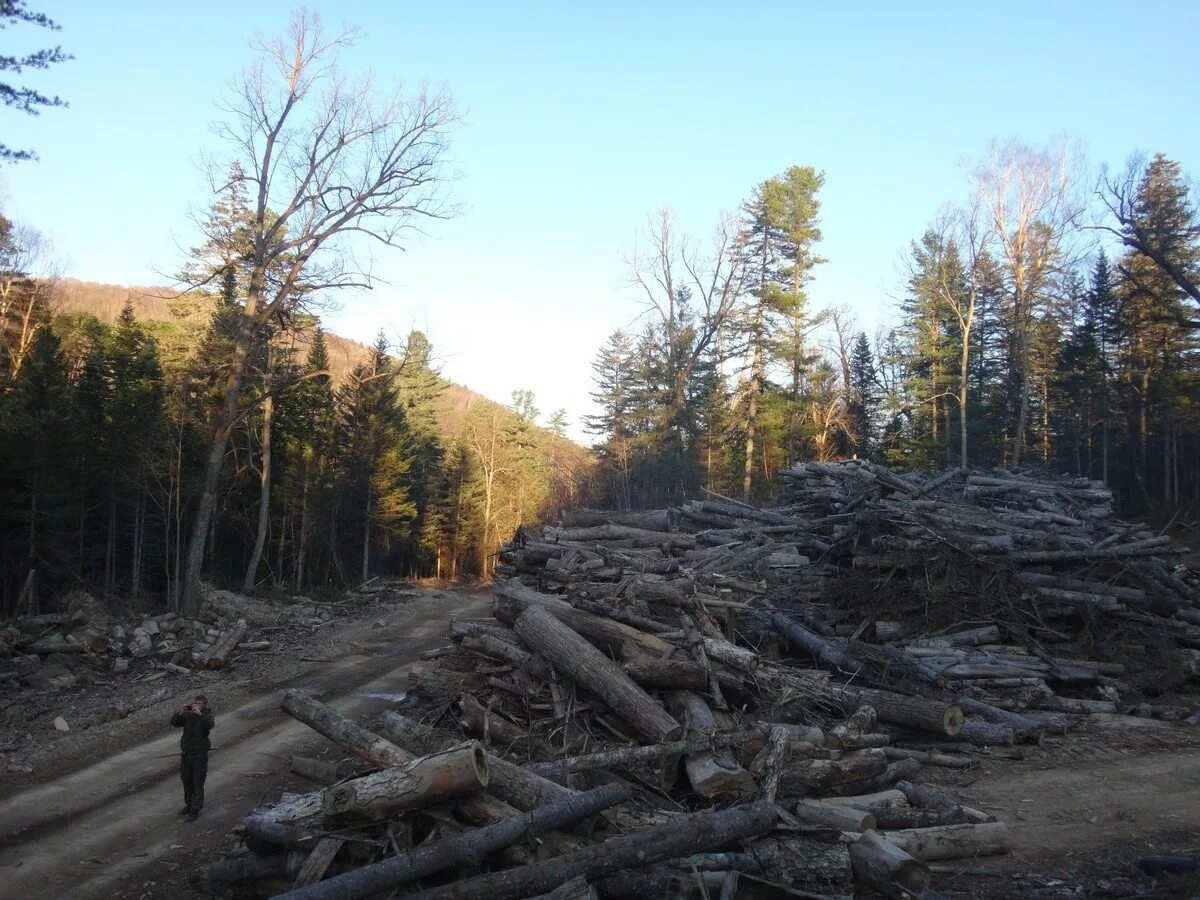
{"x":185,"y":811}
{"x":192,"y":816}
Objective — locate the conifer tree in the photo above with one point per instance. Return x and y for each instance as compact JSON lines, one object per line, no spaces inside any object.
{"x":864,"y":399}
{"x":373,"y":442}
{"x":779,"y":229}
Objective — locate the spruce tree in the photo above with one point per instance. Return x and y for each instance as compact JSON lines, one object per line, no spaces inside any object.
{"x":864,"y":399}
{"x":374,"y":462}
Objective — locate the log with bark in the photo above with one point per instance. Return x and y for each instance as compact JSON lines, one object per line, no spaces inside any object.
{"x":886,"y":868}
{"x":644,"y":846}
{"x":808,"y":777}
{"x":711,"y":773}
{"x":425,"y":781}
{"x":930,"y":798}
{"x":953,"y":841}
{"x":913,"y":712}
{"x":487,"y":725}
{"x":323,"y":771}
{"x":635,"y":757}
{"x":513,"y":598}
{"x":221,"y":650}
{"x":833,"y":816}
{"x":467,"y":847}
{"x":581,"y":662}
{"x":369,"y":747}
{"x":346,"y":734}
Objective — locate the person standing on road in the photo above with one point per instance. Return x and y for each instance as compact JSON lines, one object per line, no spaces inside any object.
{"x":196,"y":720}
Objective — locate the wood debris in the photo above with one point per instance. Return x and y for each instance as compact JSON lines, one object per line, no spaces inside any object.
{"x":724,"y":700}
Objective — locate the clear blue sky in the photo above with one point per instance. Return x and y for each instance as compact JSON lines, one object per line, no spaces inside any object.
{"x":582,"y":118}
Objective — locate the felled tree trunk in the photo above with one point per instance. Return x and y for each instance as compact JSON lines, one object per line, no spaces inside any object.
{"x":953,"y":841}
{"x":513,"y":598}
{"x":913,"y":712}
{"x":637,"y":537}
{"x":930,"y":758}
{"x":577,"y":888}
{"x":578,"y":660}
{"x":507,"y":782}
{"x":425,"y":781}
{"x":478,"y":808}
{"x":262,"y":835}
{"x":768,"y":765}
{"x":410,"y":734}
{"x":987,"y":734}
{"x":868,"y":801}
{"x":815,"y":814}
{"x":250,"y":867}
{"x":1023,"y":727}
{"x":218,"y":655}
{"x":637,"y":757}
{"x":931,"y":798}
{"x":815,"y":776}
{"x":696,"y":833}
{"x":648,"y":520}
{"x":674,"y":674}
{"x":322,"y":771}
{"x":824,"y":652}
{"x":711,"y":773}
{"x":342,"y":731}
{"x":894,"y":772}
{"x":522,"y":788}
{"x":887,"y":868}
{"x":491,"y":728}
{"x":492,"y":646}
{"x":419,"y":862}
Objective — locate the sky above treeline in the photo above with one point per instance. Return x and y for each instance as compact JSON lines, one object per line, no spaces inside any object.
{"x":579,"y":121}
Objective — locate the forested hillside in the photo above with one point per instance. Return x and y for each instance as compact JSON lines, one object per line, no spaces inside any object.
{"x":1048,"y":319}
{"x":359,"y":460}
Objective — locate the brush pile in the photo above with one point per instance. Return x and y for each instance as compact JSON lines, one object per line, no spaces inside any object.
{"x":722,"y":700}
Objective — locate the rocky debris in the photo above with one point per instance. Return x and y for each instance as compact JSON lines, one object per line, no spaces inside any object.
{"x":50,"y":662}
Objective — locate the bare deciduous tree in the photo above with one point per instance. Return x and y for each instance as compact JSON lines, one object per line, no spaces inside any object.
{"x":968,"y":230}
{"x":327,"y":159}
{"x":1031,"y":198}
{"x":484,"y":435}
{"x":673,"y":274}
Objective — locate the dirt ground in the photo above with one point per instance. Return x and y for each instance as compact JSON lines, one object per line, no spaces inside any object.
{"x":97,"y":817}
{"x":1082,"y":810}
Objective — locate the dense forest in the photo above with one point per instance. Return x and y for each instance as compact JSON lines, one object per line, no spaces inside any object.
{"x":151,"y":438}
{"x":345,"y":461}
{"x":1049,"y":320}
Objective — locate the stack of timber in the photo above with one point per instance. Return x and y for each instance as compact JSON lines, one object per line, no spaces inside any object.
{"x":724,"y":700}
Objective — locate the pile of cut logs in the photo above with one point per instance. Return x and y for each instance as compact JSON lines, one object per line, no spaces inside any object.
{"x":723,"y":700}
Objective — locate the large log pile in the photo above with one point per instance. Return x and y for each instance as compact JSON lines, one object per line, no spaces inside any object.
{"x":722,"y":700}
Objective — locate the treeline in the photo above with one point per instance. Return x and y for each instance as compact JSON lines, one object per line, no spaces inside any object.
{"x":387,"y":469}
{"x":1049,"y":320}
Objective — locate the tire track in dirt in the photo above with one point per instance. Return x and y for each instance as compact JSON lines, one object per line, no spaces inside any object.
{"x":1110,"y":781}
{"x":93,"y":832}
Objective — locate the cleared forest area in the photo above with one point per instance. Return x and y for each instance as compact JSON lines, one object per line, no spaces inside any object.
{"x":858,"y":588}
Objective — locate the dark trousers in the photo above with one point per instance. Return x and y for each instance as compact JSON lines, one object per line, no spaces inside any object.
{"x":193,"y":767}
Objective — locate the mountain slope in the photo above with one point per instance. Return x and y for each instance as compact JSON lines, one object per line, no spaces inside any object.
{"x":176,"y":322}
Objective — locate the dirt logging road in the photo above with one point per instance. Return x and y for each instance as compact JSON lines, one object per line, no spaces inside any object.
{"x":104,"y":822}
{"x":109,"y":827}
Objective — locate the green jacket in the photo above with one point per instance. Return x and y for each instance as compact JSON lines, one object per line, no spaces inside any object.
{"x":195,"y":730}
